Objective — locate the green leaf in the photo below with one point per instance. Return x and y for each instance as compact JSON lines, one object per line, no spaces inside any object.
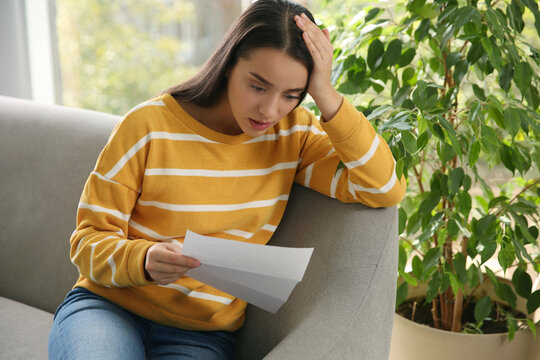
{"x":430,"y":202}
{"x":378,"y":112}
{"x":408,"y":278}
{"x":393,"y":52}
{"x":463,"y":16}
{"x":532,"y":326}
{"x":409,"y":141}
{"x":522,"y":282}
{"x":460,"y":70}
{"x":408,"y":76}
{"x":433,"y":287}
{"x":488,"y":251}
{"x":495,"y":55}
{"x":452,"y":59}
{"x":422,"y":140}
{"x":401,"y":293}
{"x":531,"y":95}
{"x":456,"y":286}
{"x":506,"y":74}
{"x":438,"y":131}
{"x":372,"y":14}
{"x":459,"y":262}
{"x":533,"y":302}
{"x":399,"y":168}
{"x":455,"y":178}
{"x":482,"y":309}
{"x":402,"y":220}
{"x":431,"y":258}
{"x":451,"y":135}
{"x":507,"y":294}
{"x":475,"y":52}
{"x":423,"y":30}
{"x":479,"y":92}
{"x":486,"y":44}
{"x":505,"y":257}
{"x":512,"y":121}
{"x":397,"y":121}
{"x":515,"y":16}
{"x":523,"y":76}
{"x":375,"y":54}
{"x":417,"y":267}
{"x":406,"y":57}
{"x":507,"y":157}
{"x":512,"y":327}
{"x":474,"y":153}
{"x":402,"y":259}
{"x":401,"y":95}
{"x":475,"y":113}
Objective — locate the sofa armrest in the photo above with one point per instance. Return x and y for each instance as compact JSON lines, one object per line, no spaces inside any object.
{"x":344,"y":306}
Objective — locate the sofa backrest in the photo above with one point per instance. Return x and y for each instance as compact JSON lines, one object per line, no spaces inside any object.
{"x":46,"y":155}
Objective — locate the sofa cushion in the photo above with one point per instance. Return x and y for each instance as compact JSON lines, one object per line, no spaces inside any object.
{"x":24,"y":331}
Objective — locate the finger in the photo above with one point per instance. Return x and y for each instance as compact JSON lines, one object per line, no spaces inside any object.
{"x":319,"y":38}
{"x":174,"y":256}
{"x":326,"y":33}
{"x":313,"y":50}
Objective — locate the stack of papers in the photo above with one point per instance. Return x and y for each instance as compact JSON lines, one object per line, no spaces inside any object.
{"x":261,"y":275}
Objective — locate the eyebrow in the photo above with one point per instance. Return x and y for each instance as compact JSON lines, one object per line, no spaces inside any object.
{"x":263,"y":80}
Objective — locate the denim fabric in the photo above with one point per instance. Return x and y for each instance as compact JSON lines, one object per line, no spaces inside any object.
{"x":87,"y":326}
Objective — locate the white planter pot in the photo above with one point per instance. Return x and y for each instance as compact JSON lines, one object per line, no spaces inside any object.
{"x":413,"y":341}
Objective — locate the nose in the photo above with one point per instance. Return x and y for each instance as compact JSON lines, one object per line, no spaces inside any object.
{"x":268,"y":107}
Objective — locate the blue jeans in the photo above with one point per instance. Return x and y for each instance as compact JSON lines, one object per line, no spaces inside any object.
{"x":87,"y":326}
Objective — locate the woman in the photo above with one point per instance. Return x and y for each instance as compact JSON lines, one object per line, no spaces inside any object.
{"x":216,"y":155}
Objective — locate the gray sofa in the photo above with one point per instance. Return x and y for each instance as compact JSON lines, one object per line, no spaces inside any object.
{"x":343,"y":309}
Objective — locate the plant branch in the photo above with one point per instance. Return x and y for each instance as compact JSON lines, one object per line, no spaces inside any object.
{"x":536,"y":181}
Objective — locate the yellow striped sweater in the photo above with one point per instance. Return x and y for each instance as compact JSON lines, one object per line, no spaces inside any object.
{"x":162,"y":173}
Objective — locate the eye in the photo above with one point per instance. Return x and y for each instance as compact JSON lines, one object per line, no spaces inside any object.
{"x":292,"y":97}
{"x":256,"y":88}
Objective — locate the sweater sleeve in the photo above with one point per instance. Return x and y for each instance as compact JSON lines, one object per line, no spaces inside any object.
{"x":99,"y":246}
{"x":369,"y":174}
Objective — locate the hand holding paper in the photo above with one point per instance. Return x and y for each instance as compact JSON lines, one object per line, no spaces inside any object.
{"x":262,"y":275}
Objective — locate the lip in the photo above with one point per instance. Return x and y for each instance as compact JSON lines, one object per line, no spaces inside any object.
{"x":259,"y":125}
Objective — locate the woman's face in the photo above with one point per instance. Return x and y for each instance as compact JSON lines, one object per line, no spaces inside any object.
{"x":263,"y":88}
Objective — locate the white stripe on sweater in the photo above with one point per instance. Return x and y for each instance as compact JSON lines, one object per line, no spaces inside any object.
{"x":96,"y":208}
{"x":309,"y":172}
{"x":334,"y":184}
{"x":240,"y":233}
{"x":93,"y":248}
{"x":111,"y":262}
{"x":367,"y":156}
{"x":268,"y":227}
{"x":149,"y":232}
{"x":198,"y":294}
{"x":383,"y":190}
{"x":147,"y":138}
{"x":140,"y":106}
{"x":286,"y":132}
{"x":220,"y":173}
{"x":210,"y":208}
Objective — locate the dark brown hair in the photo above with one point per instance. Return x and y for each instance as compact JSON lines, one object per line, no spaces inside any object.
{"x":266,"y":23}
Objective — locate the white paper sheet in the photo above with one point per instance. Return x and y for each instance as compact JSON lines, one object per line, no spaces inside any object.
{"x":262,"y":275}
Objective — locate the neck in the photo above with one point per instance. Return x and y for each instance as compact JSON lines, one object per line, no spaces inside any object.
{"x":217,"y":117}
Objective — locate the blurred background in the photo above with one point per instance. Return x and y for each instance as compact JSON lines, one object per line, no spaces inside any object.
{"x":111,"y":55}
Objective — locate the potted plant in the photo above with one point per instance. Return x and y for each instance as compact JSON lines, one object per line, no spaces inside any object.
{"x":453,"y":88}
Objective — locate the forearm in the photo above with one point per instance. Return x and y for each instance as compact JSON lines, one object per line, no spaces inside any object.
{"x":328,"y":102}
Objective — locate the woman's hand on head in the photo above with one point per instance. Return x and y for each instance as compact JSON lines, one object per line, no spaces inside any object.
{"x":166,"y":264}
{"x":322,"y":52}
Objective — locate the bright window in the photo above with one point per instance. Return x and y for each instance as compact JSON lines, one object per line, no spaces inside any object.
{"x":113,"y":55}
